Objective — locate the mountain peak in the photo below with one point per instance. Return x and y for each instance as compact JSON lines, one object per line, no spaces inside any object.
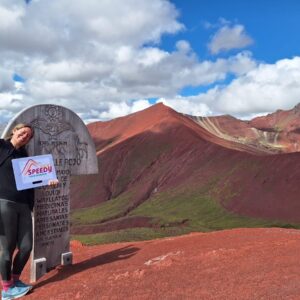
{"x":160,"y":107}
{"x":152,"y":114}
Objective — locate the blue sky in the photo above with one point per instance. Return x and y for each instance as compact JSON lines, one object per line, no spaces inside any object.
{"x":105,"y":59}
{"x":273,"y":24}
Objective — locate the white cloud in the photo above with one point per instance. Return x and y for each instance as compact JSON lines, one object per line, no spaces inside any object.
{"x":229,"y":37}
{"x":86,"y":54}
{"x":121,"y":109}
{"x":10,"y":18}
{"x":150,"y":56}
{"x":57,"y":28}
{"x":6,"y":80}
{"x":187,"y":105}
{"x":5,"y":117}
{"x":11,"y":98}
{"x":265,"y":88}
{"x":50,"y":89}
{"x":103,"y":59}
{"x":11,"y":102}
{"x":183,"y":46}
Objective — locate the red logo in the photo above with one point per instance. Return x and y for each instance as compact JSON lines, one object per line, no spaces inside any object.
{"x":33,"y":167}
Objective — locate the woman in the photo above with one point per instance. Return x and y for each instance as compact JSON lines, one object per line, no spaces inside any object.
{"x":15,"y":215}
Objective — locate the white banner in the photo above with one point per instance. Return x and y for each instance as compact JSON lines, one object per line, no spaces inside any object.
{"x":33,"y":171}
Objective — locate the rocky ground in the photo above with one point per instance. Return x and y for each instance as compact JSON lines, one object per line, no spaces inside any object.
{"x":230,"y":264}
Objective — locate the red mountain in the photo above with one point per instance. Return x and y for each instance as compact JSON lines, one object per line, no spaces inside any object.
{"x":160,"y":154}
{"x":285,"y":125}
{"x":278,"y":132}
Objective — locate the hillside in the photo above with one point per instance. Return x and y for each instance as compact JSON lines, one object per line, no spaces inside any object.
{"x":278,"y":132}
{"x":162,"y":173}
{"x":284,"y":124}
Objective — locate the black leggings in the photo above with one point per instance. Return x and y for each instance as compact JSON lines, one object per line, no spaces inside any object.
{"x":15,"y":232}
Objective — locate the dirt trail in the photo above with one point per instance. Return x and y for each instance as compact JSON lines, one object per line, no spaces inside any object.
{"x":231,"y":264}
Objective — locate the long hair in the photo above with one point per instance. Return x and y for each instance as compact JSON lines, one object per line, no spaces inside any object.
{"x":19,"y":126}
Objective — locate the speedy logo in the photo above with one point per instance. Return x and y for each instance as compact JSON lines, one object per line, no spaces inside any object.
{"x":34,"y":168}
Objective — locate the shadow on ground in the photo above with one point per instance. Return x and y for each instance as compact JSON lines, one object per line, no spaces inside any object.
{"x":106,"y":258}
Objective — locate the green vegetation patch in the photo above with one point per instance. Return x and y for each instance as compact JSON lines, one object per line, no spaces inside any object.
{"x":125,"y":235}
{"x":195,"y":208}
{"x":187,"y":208}
{"x":113,"y":208}
{"x":199,"y":211}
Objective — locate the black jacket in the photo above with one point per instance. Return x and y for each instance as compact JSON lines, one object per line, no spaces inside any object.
{"x":8,"y":189}
{"x":5,"y":150}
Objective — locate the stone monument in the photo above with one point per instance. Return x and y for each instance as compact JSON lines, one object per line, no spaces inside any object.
{"x":60,"y":132}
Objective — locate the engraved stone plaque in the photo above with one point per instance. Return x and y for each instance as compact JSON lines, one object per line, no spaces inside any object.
{"x":60,"y":132}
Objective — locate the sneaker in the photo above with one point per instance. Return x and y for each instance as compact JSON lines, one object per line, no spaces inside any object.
{"x":20,"y":283}
{"x":14,"y":292}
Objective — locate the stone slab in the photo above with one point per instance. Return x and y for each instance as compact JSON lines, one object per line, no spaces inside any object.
{"x":60,"y":132}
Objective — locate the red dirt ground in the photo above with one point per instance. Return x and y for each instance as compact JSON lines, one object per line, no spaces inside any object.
{"x":231,"y":264}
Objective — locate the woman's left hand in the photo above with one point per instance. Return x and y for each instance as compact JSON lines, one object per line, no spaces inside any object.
{"x":53,"y":182}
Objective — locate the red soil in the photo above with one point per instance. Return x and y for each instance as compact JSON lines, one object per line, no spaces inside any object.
{"x":231,"y":264}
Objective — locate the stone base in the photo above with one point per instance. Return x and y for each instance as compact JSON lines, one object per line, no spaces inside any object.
{"x":39,"y":268}
{"x":67,"y":258}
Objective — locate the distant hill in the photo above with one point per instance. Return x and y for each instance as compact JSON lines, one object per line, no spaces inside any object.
{"x":278,"y":132}
{"x":164,"y":173}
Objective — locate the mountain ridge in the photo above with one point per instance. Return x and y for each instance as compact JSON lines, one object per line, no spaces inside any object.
{"x":151,"y":160}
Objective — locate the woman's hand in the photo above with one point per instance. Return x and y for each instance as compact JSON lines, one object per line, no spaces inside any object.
{"x":53,"y":182}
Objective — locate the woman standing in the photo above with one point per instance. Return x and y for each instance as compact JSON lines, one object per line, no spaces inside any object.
{"x":15,"y":215}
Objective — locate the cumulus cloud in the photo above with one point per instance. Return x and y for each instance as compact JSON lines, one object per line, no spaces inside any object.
{"x":6,"y":80}
{"x":57,"y":28}
{"x":11,"y":98}
{"x":123,"y":108}
{"x":86,"y":56}
{"x":229,"y":37}
{"x":265,"y":88}
{"x":103,"y":59}
{"x":187,"y":105}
